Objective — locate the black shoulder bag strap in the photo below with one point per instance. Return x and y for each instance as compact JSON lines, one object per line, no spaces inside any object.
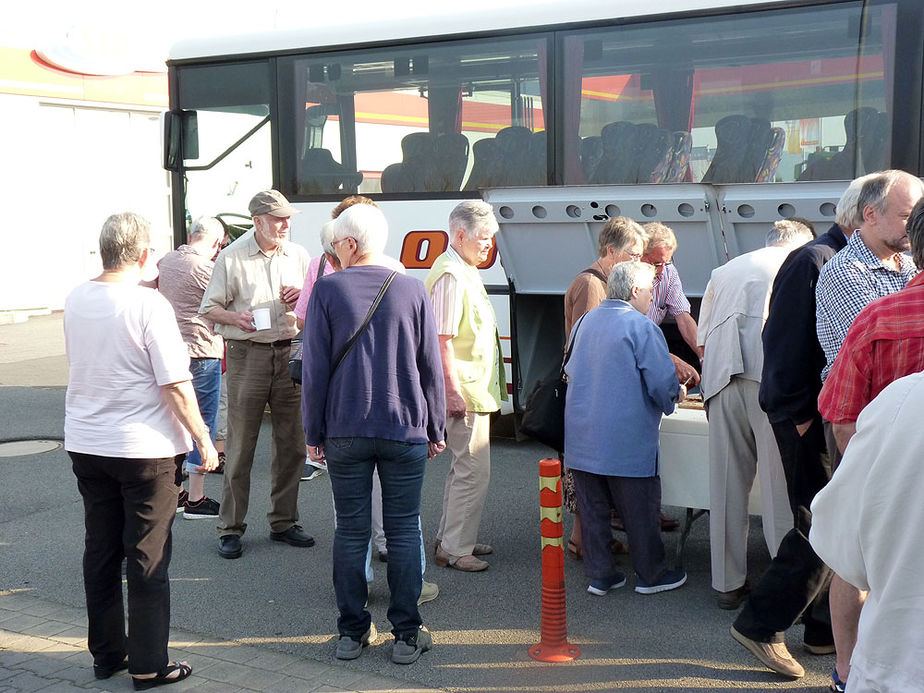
{"x":571,"y":343}
{"x":375,"y":304}
{"x":597,"y":273}
{"x":321,"y":265}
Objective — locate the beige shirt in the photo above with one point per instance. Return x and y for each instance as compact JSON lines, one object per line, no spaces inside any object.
{"x":732,"y":316}
{"x":246,"y":278}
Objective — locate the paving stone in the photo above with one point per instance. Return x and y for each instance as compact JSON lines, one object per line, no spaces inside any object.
{"x":26,"y":682}
{"x":43,"y":666}
{"x":290,"y":684}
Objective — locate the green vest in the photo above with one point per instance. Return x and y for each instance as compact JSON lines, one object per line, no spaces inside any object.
{"x":476,"y":347}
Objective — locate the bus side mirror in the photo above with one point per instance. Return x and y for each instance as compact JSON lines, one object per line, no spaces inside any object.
{"x":180,"y":138}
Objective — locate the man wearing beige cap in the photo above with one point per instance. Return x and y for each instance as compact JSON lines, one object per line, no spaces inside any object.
{"x":251,"y":299}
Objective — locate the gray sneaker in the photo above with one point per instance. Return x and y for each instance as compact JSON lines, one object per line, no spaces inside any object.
{"x":348,"y":648}
{"x":408,"y":651}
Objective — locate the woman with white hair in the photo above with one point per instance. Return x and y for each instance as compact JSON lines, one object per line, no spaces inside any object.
{"x":612,"y":415}
{"x":373,"y":399}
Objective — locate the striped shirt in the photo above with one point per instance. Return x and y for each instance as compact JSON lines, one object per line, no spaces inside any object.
{"x":446,"y":300}
{"x":885,"y":343}
{"x":847,"y":284}
{"x":667,"y":295}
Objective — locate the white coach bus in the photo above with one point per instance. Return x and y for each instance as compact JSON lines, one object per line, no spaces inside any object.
{"x":716,"y":117}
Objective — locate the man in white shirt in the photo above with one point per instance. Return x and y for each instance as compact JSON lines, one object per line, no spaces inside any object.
{"x":741,"y":442}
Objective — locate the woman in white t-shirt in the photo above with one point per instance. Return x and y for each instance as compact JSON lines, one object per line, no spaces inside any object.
{"x":129,"y":413}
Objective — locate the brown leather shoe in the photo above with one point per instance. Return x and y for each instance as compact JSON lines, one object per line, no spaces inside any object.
{"x":732,"y":599}
{"x":482,"y":550}
{"x":467,"y":564}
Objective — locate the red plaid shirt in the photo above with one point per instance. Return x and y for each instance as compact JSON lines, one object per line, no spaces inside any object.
{"x":884,"y":343}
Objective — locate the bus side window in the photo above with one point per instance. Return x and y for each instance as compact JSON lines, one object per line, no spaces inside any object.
{"x":773,"y":95}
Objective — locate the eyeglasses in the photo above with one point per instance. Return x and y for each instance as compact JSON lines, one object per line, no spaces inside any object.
{"x":341,"y":240}
{"x":662,"y":264}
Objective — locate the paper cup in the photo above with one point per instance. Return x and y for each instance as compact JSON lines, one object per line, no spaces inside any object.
{"x":261,"y":318}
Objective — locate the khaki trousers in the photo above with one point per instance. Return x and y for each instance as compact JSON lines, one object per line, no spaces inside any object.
{"x":742,"y":446}
{"x":468,"y":439}
{"x":257,"y":375}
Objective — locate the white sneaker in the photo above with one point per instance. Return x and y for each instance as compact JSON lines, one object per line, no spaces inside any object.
{"x":313,"y":470}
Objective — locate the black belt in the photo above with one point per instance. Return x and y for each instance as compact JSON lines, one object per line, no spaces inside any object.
{"x":279,"y":343}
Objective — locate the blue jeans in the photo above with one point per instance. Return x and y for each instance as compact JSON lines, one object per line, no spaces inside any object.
{"x":206,"y":381}
{"x":350,"y":462}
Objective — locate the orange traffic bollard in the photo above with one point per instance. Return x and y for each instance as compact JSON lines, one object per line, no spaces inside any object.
{"x":554,"y":646}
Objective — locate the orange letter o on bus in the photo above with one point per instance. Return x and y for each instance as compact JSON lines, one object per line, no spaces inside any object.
{"x":421,"y":248}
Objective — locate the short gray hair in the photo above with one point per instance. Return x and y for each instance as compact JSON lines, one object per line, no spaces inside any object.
{"x":123,"y":240}
{"x":619,"y":233}
{"x":366,"y":224}
{"x":788,"y":233}
{"x":473,"y":216}
{"x":877,"y":187}
{"x":206,"y":227}
{"x":659,"y":236}
{"x":626,"y":275}
{"x":846,"y":214}
{"x":327,"y":237}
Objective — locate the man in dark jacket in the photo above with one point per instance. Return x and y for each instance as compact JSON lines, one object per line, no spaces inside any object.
{"x":790,"y":383}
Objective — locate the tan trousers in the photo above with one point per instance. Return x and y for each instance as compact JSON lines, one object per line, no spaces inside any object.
{"x":742,"y":446}
{"x":468,"y":439}
{"x":257,"y":375}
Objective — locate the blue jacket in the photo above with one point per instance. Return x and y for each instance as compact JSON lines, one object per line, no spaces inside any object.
{"x":390,"y":385}
{"x":620,"y":379}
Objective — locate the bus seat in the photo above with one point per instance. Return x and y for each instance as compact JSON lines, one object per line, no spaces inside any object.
{"x":616,"y":164}
{"x":652,"y":147}
{"x":772,"y":156}
{"x":393,"y":178}
{"x":417,"y":161}
{"x":858,"y":124}
{"x":538,"y":159}
{"x":450,"y":158}
{"x":681,"y":148}
{"x":729,"y":163}
{"x":414,"y":172}
{"x":591,"y":153}
{"x":513,"y":151}
{"x":486,"y":166}
{"x":318,"y":172}
{"x":874,"y":149}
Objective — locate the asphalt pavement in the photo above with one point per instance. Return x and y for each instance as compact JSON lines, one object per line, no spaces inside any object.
{"x":267,"y":621}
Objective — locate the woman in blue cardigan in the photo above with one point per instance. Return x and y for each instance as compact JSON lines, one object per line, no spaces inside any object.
{"x":620,"y":380}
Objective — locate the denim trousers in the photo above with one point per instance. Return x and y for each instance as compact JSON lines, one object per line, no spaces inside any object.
{"x":206,"y":381}
{"x":129,"y":507}
{"x":350,"y":463}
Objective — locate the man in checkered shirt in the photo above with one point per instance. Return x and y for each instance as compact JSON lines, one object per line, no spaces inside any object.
{"x":872,"y":265}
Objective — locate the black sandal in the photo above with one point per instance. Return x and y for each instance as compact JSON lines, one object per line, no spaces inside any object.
{"x":163,"y":677}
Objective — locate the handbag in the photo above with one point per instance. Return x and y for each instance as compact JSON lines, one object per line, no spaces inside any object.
{"x":544,"y":412}
{"x":356,"y":335}
{"x":295,"y":360}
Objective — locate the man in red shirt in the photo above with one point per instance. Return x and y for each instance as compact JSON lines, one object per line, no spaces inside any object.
{"x":884,"y":343}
